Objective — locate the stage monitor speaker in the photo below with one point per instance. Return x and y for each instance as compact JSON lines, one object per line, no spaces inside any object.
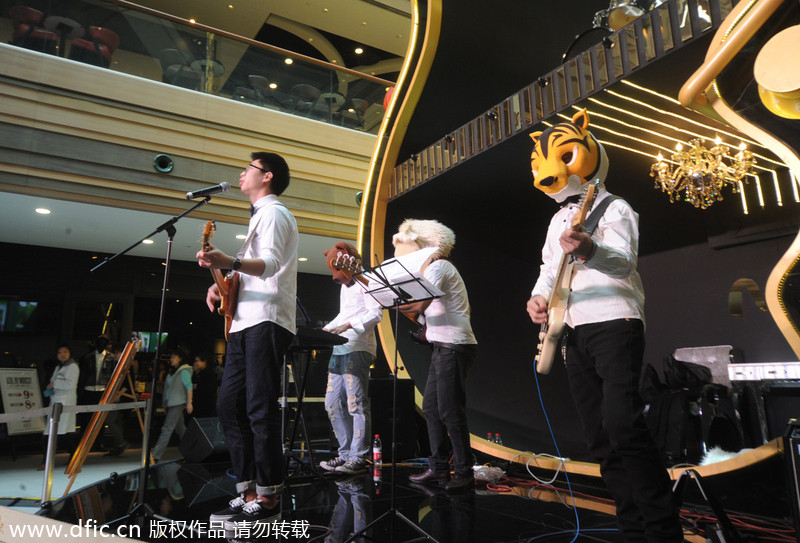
{"x":203,"y":441}
{"x":380,"y":395}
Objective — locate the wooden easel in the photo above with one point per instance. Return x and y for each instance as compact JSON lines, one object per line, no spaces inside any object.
{"x":110,"y":396}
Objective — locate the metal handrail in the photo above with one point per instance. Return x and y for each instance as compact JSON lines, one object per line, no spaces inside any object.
{"x":54,"y":412}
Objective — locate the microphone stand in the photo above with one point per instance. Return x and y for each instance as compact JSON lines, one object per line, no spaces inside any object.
{"x":140,"y":509}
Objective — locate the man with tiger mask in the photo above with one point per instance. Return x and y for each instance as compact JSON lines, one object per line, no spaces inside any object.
{"x":604,"y":326}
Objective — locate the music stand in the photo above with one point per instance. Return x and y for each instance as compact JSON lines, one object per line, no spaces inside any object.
{"x":392,"y":285}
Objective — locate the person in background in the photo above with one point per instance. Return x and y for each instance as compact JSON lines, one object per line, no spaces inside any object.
{"x":449,"y":329}
{"x":96,"y":369}
{"x":177,"y":399}
{"x":204,"y":380}
{"x":63,"y":389}
{"x":347,"y":395}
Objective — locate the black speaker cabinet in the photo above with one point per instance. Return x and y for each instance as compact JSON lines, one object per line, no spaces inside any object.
{"x":380,"y":395}
{"x":203,"y":441}
{"x":791,"y":448}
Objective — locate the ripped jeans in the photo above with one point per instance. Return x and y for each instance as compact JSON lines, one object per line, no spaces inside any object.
{"x":347,"y":403}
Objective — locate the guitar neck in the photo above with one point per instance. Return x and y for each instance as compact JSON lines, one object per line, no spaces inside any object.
{"x":219,"y":280}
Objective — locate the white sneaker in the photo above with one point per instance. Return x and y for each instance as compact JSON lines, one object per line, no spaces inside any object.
{"x":331,"y":465}
{"x":254,"y":512}
{"x":235,"y":507}
{"x":351,"y":467}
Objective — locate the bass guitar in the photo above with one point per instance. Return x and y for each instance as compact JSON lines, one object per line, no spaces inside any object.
{"x":551,"y":330}
{"x":350,"y":266}
{"x":228,"y":284}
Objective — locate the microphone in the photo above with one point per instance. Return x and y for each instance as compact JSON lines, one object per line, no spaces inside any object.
{"x":222,"y":187}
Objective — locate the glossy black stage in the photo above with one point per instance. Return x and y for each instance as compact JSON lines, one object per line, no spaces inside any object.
{"x":180,"y":496}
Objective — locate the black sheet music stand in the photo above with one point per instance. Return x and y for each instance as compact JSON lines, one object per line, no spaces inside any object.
{"x":393,"y":285}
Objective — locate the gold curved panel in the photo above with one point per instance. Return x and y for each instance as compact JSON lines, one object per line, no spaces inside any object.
{"x":742,"y":31}
{"x":426,"y":23}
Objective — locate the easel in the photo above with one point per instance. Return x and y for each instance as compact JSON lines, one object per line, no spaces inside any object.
{"x":111,"y":394}
{"x":398,"y":286}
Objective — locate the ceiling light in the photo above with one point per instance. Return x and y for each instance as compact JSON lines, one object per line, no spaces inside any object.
{"x":42,"y":211}
{"x":230,"y":6}
{"x":241,"y":236}
{"x":359,"y":50}
{"x":702,"y":173}
{"x":302,"y":259}
{"x":147,"y":241}
{"x":288,"y":61}
{"x":192,"y":21}
{"x":273,"y":85}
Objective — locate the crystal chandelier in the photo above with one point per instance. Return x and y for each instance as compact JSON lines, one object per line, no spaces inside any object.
{"x":702,"y":173}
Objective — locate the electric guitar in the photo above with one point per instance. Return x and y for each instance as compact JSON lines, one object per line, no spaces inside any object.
{"x":228,"y":284}
{"x":551,"y":330}
{"x":350,"y":266}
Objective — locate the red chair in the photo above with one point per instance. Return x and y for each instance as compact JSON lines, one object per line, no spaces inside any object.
{"x":97,"y":50}
{"x":26,"y":32}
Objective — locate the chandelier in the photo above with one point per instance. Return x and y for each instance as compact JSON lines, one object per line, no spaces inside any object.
{"x":701,"y":173}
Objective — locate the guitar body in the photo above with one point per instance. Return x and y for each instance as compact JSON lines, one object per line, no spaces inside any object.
{"x":228,"y":284}
{"x":550,"y":332}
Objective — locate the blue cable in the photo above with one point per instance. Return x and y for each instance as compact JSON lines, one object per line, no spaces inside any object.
{"x":558,"y":453}
{"x":587,"y":531}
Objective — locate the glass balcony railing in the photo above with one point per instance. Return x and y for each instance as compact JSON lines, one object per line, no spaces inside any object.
{"x":131,"y":39}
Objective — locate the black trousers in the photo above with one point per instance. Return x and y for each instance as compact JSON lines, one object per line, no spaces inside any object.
{"x":445,"y":408}
{"x":604,"y":361}
{"x":248,"y":406}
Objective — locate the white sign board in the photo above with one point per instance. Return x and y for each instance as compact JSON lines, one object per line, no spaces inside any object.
{"x":19,"y":388}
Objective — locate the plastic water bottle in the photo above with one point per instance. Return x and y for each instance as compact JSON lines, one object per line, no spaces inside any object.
{"x":489,"y":437}
{"x":497,"y":439}
{"x":376,"y":478}
{"x":377,"y":451}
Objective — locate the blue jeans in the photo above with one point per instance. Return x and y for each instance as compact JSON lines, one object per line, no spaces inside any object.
{"x":248,"y":406}
{"x":445,"y":407}
{"x":347,"y":402}
{"x":172,"y":423}
{"x":604,"y":361}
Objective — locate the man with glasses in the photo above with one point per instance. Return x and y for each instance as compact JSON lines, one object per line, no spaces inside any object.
{"x":261,"y":332}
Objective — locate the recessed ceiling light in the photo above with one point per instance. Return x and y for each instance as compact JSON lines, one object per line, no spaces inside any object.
{"x":302,"y":259}
{"x":42,"y":211}
{"x":230,"y":6}
{"x":359,"y":50}
{"x":288,"y":61}
{"x":147,"y":241}
{"x":193,"y":21}
{"x":273,"y":85}
{"x":241,"y":236}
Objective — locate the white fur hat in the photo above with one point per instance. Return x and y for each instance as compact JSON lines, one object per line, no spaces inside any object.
{"x":426,"y":233}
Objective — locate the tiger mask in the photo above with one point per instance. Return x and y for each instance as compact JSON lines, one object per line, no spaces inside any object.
{"x":565,"y":157}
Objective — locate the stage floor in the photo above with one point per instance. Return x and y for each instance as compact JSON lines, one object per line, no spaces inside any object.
{"x":315,"y":507}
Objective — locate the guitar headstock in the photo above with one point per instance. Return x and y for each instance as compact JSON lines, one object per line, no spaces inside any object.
{"x":208,"y":231}
{"x":586,"y":202}
{"x":345,"y":263}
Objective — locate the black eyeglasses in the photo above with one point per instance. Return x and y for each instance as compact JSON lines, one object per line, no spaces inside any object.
{"x":251,"y":165}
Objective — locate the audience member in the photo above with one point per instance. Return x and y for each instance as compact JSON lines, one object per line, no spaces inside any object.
{"x":177,"y":398}
{"x":63,"y":389}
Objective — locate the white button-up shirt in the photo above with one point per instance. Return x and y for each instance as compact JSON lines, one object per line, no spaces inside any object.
{"x":606,"y":286}
{"x":363,"y":313}
{"x":273,"y":296}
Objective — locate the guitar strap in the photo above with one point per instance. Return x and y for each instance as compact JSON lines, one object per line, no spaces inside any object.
{"x":590,"y":225}
{"x":591,"y":222}
{"x":249,"y":240}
